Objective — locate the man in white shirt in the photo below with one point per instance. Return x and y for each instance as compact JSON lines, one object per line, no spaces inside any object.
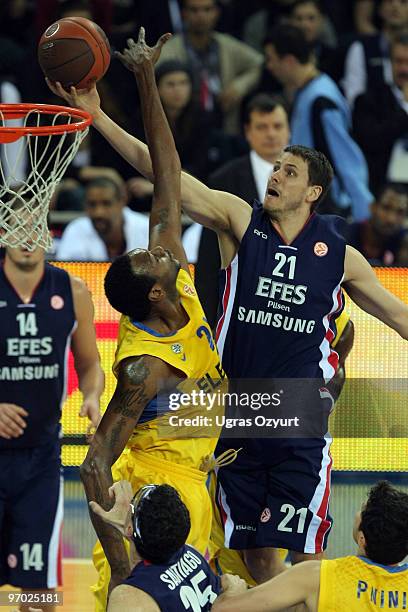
{"x":109,"y":229}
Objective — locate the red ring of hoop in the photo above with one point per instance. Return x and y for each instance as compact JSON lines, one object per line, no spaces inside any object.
{"x":17,"y":111}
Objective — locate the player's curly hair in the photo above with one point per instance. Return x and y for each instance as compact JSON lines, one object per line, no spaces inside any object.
{"x":384,"y":524}
{"x":127,"y":290}
{"x":164,"y":524}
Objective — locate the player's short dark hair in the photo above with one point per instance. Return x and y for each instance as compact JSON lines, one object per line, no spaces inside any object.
{"x":164,"y":525}
{"x":127,"y":290}
{"x":289,"y":40}
{"x":103,"y":182}
{"x":263,"y":103}
{"x":384,"y":524}
{"x":319,"y":168}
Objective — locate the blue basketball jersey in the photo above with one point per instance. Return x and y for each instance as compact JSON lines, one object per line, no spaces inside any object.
{"x":185,"y":582}
{"x":280,"y":300}
{"x":34,"y":347}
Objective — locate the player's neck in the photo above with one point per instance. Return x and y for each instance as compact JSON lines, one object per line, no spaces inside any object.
{"x":170,"y":318}
{"x":24,"y":280}
{"x":291,"y":223}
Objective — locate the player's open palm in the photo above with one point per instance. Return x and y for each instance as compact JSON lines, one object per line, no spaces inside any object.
{"x":137,"y":54}
{"x":86,"y":99}
{"x":12,"y":421}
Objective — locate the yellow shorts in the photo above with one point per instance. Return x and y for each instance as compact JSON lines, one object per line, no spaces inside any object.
{"x":141,"y":468}
{"x":226,"y":560}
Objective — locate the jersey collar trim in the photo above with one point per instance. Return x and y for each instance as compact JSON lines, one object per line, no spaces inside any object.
{"x":153,"y":332}
{"x":387,"y":568}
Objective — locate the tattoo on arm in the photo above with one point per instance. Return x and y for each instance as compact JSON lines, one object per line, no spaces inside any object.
{"x":129,"y":401}
{"x":115,"y":433}
{"x":163,"y":219}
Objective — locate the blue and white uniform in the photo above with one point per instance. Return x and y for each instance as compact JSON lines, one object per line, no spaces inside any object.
{"x":185,"y":582}
{"x":34,"y":347}
{"x":279,"y":306}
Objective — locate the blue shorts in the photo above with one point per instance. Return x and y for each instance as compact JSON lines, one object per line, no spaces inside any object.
{"x":276,"y":494}
{"x":31,"y":512}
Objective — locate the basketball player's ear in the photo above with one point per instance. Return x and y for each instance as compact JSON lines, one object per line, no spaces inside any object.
{"x":156,"y":293}
{"x":314,"y":193}
{"x":129,"y":531}
{"x":361,"y":541}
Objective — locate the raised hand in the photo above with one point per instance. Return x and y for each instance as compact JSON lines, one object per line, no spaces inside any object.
{"x":86,"y":99}
{"x":137,"y":54}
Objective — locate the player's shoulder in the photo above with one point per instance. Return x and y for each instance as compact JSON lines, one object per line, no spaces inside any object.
{"x":80,"y":292}
{"x":126,"y":597}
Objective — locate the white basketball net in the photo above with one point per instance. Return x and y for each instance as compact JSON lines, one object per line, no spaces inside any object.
{"x":25,"y":196}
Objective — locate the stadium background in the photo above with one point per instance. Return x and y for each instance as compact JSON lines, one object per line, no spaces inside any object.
{"x":370,"y":423}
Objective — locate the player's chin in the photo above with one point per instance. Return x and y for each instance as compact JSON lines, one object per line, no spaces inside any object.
{"x":272,"y":203}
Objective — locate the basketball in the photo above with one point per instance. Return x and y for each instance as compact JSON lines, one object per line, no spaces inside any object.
{"x":74,"y":51}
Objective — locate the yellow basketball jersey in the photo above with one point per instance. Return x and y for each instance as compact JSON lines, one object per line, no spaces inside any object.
{"x":185,"y":433}
{"x":354,"y":584}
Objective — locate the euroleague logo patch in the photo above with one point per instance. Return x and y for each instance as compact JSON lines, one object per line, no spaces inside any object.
{"x":321,"y":249}
{"x":266,"y":515}
{"x":177,"y":348}
{"x":12,"y":561}
{"x":189,"y":290}
{"x":57,"y":302}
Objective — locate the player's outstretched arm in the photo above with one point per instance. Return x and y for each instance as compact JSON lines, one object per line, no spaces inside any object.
{"x":366,"y":291}
{"x":217,"y":210}
{"x":136,"y":386}
{"x":165,"y":216}
{"x":298,"y":585}
{"x":87,"y":361}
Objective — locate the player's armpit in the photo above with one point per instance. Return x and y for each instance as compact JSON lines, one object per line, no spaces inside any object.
{"x":366,"y":291}
{"x":127,"y":598}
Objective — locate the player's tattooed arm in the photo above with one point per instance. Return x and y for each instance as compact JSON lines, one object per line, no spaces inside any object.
{"x":136,"y":386}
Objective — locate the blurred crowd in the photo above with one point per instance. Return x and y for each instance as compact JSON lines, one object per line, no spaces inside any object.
{"x":238,"y":81}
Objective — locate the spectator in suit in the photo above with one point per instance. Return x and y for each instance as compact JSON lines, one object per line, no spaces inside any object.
{"x":367,"y":62}
{"x":383,"y":239}
{"x":224,"y":68}
{"x":266,"y":129}
{"x":380,"y":121}
{"x":320,"y":118}
{"x":109,"y":229}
